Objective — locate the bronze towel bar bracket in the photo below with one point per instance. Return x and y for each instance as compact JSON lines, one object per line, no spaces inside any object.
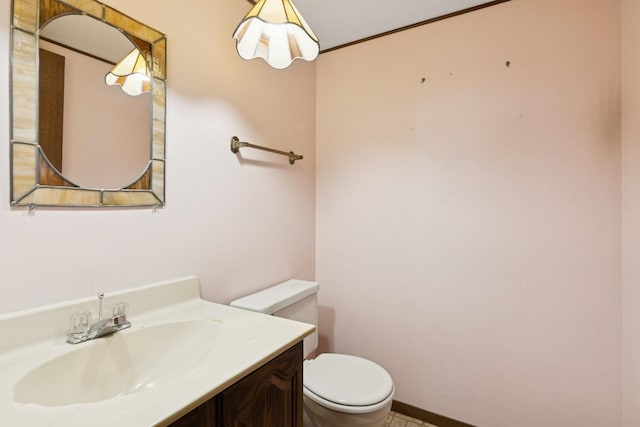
{"x":236,"y":144}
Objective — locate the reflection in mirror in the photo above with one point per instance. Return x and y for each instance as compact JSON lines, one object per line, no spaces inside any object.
{"x":111,"y":148}
{"x":101,"y":139}
{"x":132,"y":74}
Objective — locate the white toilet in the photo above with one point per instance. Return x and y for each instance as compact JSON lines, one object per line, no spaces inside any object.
{"x":339,"y":390}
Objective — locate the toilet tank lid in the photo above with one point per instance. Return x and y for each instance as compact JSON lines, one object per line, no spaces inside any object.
{"x":277,"y":297}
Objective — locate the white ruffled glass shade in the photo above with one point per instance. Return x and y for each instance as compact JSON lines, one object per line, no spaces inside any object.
{"x":275,"y":31}
{"x":131,"y":74}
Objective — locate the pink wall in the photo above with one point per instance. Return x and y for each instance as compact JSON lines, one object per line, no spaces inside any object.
{"x":631,"y":211}
{"x":240,"y":225}
{"x":468,"y":212}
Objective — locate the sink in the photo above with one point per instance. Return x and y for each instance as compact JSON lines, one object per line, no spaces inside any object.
{"x":179,"y":350}
{"x":121,"y":364}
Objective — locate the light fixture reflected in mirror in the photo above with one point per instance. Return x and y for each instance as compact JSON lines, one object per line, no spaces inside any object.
{"x":131,"y":74}
{"x":275,"y":31}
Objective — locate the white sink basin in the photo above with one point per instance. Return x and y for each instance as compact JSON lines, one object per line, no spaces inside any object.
{"x":121,"y":364}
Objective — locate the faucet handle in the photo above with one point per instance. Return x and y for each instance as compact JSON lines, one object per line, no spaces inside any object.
{"x":119,"y":309}
{"x":119,"y":312}
{"x":80,"y":322}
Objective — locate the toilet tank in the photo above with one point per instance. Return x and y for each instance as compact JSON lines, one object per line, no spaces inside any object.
{"x":294,"y":299}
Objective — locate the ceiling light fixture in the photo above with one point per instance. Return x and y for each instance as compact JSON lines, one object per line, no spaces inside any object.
{"x":275,"y":31}
{"x":131,"y":74}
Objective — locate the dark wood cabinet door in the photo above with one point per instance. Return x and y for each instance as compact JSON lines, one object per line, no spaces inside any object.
{"x":271,"y":396}
{"x":203,"y":416}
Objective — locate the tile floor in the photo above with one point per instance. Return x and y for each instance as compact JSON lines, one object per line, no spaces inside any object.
{"x":395,"y":419}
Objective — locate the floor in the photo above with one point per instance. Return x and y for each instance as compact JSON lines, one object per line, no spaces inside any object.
{"x":395,"y":419}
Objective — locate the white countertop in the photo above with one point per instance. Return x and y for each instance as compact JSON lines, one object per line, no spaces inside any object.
{"x":244,"y":341}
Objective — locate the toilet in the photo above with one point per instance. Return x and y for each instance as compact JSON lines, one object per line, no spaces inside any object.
{"x":339,"y":390}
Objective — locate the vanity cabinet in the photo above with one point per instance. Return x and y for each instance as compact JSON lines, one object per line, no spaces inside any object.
{"x":270,"y":396}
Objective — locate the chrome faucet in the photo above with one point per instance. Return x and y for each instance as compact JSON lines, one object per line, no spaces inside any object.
{"x":81,"y":329}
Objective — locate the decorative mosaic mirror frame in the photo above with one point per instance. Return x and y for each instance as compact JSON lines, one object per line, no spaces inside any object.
{"x":29,"y":165}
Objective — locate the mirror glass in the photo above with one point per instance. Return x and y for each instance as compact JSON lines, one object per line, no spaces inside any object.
{"x":100,"y":138}
{"x":76,"y":141}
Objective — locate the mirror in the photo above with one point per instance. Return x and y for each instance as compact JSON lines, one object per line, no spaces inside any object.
{"x":83,"y":143}
{"x":81,"y":152}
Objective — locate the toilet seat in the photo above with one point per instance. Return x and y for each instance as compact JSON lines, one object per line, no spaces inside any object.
{"x":347,"y":383}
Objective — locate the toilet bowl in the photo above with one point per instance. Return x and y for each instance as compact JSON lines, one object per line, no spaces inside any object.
{"x":339,"y":390}
{"x":342,"y":390}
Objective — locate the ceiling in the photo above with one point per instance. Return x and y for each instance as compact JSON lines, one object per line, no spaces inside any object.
{"x":89,"y":36}
{"x":336,"y":22}
{"x":342,"y":22}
